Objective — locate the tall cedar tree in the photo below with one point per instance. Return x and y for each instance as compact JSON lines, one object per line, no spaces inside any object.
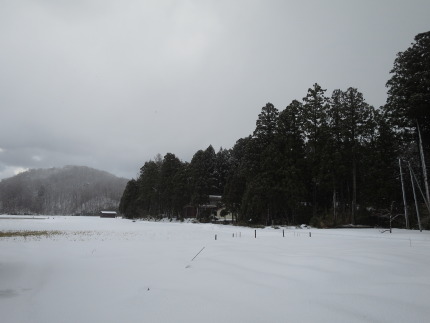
{"x":358,"y":127}
{"x":236,"y":179}
{"x":263,"y":189}
{"x":408,"y":103}
{"x":409,"y":88}
{"x":292,"y":146}
{"x":314,"y":114}
{"x":168,"y":170}
{"x":203,"y":178}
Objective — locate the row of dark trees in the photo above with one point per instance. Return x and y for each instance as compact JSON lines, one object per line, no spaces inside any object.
{"x":328,"y":159}
{"x":166,"y":185}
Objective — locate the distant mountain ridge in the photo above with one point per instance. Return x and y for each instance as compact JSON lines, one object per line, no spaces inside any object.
{"x":68,"y":190}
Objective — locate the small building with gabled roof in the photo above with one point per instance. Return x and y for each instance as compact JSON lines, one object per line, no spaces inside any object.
{"x":108,"y":214}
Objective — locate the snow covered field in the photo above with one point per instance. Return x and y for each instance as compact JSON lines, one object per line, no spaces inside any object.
{"x":116,"y":270}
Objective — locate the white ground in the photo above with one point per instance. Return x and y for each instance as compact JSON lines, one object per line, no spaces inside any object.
{"x":115,"y":270}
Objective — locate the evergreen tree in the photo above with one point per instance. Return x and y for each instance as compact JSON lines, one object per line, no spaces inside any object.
{"x":314,"y":114}
{"x":222,"y":169}
{"x":408,"y":89}
{"x":149,"y":194}
{"x":236,"y":179}
{"x":261,"y":166}
{"x":267,"y":122}
{"x":357,"y":127}
{"x":292,"y":170}
{"x":337,"y":156}
{"x":168,"y":170}
{"x":203,"y":179}
{"x":181,"y":190}
{"x":408,"y":103}
{"x":128,"y":203}
{"x":380,"y":186}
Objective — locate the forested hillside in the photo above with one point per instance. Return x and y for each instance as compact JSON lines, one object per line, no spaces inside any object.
{"x":327,"y":159}
{"x":67,"y":190}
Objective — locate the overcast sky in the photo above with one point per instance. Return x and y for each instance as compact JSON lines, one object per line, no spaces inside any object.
{"x":109,"y":84}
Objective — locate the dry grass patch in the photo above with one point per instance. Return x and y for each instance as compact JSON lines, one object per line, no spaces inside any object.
{"x":25,"y":234}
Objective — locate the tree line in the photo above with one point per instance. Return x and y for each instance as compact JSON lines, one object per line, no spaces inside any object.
{"x":328,"y":159}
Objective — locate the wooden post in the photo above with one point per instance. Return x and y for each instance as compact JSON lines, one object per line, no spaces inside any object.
{"x":310,"y":234}
{"x":334,"y":204}
{"x":198,"y":254}
{"x":215,"y":237}
{"x":255,"y":233}
{"x":283,"y":232}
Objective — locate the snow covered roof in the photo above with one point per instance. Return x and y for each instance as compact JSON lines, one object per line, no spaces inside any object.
{"x":215,"y":197}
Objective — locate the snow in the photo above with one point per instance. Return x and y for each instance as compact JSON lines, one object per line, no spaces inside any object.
{"x":116,"y":270}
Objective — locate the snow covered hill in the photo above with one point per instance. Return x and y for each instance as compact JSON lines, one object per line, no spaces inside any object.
{"x":66,"y":190}
{"x":116,"y":270}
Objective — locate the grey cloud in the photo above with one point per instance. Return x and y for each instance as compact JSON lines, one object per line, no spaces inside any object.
{"x":110,"y":84}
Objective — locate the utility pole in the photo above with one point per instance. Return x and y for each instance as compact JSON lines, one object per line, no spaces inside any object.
{"x":423,"y":164}
{"x":415,"y":197}
{"x":427,"y":204}
{"x":404,"y":195}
